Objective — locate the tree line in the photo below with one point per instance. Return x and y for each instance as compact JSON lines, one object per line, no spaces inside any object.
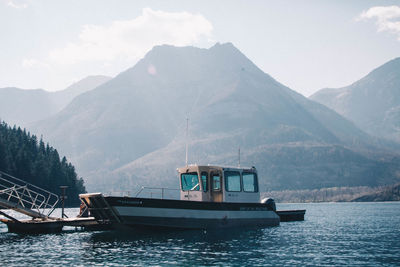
{"x":337,"y":194}
{"x":24,"y":156}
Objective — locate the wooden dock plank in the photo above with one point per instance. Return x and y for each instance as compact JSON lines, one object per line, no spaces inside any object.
{"x":49,"y":225}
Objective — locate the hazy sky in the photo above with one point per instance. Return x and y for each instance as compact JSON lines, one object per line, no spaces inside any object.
{"x":306,"y":45}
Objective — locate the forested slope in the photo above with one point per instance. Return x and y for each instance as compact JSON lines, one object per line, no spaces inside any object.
{"x":25,"y":157}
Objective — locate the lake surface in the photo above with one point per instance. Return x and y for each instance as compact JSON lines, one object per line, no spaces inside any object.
{"x":356,"y":234}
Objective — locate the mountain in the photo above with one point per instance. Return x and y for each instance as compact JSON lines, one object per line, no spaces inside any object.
{"x":64,"y":97}
{"x":130,"y":131}
{"x":372,"y":103}
{"x":22,"y":107}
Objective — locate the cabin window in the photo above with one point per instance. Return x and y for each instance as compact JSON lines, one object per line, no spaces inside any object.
{"x":216,"y":182}
{"x":250,"y":183}
{"x":190,"y":181}
{"x":232,"y":181}
{"x":204,"y":180}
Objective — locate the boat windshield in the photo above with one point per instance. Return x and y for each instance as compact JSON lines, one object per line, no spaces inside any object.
{"x":250,"y":183}
{"x":232,"y":181}
{"x":190,"y":181}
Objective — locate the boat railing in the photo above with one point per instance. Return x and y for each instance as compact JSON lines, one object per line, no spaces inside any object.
{"x":158,"y":192}
{"x":147,"y":192}
{"x":119,"y":194}
{"x":151,"y":192}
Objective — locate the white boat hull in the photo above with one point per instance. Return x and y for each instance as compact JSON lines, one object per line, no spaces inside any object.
{"x":195,"y":219}
{"x":182,"y":214}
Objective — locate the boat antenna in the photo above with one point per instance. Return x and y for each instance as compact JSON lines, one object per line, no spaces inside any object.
{"x":187,"y":137}
{"x":239,"y":158}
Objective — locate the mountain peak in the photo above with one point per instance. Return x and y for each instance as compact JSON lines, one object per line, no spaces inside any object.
{"x":166,"y":47}
{"x":189,"y":61}
{"x":218,"y":45}
{"x":227,"y":49}
{"x":372,"y":102}
{"x":165,"y":50}
{"x":88,"y":83}
{"x":389,"y":68}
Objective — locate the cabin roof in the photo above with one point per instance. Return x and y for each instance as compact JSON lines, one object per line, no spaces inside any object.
{"x":195,"y":168}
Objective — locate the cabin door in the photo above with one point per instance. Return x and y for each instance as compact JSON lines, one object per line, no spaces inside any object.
{"x":216,"y":186}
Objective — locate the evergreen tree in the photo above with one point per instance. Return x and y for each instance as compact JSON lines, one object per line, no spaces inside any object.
{"x":23,"y":156}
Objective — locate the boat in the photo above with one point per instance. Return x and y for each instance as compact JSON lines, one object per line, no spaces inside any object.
{"x":211,"y":197}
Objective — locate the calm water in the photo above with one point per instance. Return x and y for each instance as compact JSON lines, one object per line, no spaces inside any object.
{"x":356,"y":234}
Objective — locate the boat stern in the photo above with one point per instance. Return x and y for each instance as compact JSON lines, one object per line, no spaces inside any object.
{"x":100,"y":209}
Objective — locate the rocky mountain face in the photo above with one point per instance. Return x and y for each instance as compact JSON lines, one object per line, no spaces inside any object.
{"x":130,"y":131}
{"x":22,"y":107}
{"x":372,"y":103}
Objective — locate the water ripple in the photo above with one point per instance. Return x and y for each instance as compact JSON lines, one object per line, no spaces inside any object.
{"x":355,"y":234}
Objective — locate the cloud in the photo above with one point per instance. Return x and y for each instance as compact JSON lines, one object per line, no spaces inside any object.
{"x":29,"y":63}
{"x":18,"y":4}
{"x":387,"y":18}
{"x":131,"y":39}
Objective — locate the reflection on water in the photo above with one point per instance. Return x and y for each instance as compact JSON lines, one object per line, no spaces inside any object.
{"x":364,"y":234}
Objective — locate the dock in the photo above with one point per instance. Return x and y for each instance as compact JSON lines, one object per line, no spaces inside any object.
{"x":40,"y":226}
{"x":291,"y":215}
{"x":37,"y":203}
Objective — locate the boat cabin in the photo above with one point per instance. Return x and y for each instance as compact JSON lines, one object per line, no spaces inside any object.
{"x":219,"y":184}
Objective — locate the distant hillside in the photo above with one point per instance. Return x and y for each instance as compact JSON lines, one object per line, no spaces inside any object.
{"x":330,"y":194}
{"x":24,"y":156}
{"x":372,"y":103}
{"x":130,"y":131}
{"x":22,"y":107}
{"x":64,"y":97}
{"x":389,"y":193}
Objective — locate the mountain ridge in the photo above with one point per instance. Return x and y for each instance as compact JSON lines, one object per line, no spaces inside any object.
{"x":372,"y":103}
{"x":24,"y":106}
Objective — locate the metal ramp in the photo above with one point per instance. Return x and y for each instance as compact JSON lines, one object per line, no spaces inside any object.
{"x":25,"y":198}
{"x":99,"y":208}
